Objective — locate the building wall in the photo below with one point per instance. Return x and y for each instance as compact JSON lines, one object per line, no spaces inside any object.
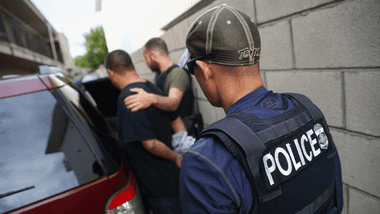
{"x":328,"y":50}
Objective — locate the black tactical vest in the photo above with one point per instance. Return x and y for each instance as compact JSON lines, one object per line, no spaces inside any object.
{"x":185,"y":108}
{"x":289,"y":159}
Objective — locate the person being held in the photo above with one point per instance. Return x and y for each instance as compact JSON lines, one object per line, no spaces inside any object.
{"x":145,"y":137}
{"x":273,"y":153}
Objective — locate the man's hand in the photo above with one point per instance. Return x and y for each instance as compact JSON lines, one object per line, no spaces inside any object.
{"x":178,"y":161}
{"x":141,"y":100}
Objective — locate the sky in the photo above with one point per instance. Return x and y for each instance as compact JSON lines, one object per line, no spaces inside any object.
{"x":74,"y":18}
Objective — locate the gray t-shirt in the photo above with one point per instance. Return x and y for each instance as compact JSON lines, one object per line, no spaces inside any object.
{"x":177,"y":78}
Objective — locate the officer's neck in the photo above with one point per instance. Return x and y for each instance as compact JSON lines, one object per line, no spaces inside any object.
{"x":234,"y":87}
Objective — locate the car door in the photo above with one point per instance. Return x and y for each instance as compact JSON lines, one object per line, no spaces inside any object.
{"x":47,"y":164}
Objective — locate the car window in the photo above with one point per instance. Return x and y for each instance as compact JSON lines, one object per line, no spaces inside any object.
{"x":42,"y":153}
{"x":105,"y":145}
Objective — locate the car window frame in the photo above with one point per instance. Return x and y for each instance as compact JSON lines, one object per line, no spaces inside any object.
{"x":109,"y":165}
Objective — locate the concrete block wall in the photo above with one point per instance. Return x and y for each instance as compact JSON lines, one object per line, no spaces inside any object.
{"x":328,"y":50}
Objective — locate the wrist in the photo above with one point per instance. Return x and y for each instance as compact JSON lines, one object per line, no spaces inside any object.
{"x":178,"y":157}
{"x":153,"y":98}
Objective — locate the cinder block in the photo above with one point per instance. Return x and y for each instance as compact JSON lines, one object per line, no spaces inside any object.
{"x":323,"y":88}
{"x":363,"y":203}
{"x":360,"y":160}
{"x":363,"y":101}
{"x":175,"y":56}
{"x":168,"y":38}
{"x":220,"y":114}
{"x":345,"y":199}
{"x":269,"y":10}
{"x":243,"y":5}
{"x":207,"y":111}
{"x":276,"y":47}
{"x":263,"y":77}
{"x":346,"y":35}
{"x":179,"y":34}
{"x":149,"y":77}
{"x":142,"y":69}
{"x":138,"y":56}
{"x":195,"y":16}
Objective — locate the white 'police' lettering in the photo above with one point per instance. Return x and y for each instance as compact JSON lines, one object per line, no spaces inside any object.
{"x":293,"y":156}
{"x":303,"y":140}
{"x":276,"y":155}
{"x":295,"y":164}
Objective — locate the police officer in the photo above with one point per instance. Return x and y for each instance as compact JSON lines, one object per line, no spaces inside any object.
{"x":273,"y":153}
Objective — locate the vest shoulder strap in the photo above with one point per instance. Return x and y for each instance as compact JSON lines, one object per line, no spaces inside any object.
{"x":245,"y":146}
{"x":240,"y":133}
{"x":307,"y":103}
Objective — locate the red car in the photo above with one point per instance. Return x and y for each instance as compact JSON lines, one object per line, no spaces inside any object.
{"x":59,"y":152}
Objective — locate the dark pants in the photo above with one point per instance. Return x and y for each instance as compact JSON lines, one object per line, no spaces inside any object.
{"x":165,"y":205}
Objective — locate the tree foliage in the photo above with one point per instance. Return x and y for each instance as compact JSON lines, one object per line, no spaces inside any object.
{"x":96,"y":47}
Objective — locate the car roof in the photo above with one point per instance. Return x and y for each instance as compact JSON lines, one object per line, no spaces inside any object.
{"x":29,"y":84}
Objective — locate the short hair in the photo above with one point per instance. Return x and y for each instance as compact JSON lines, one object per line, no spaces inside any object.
{"x":157,"y":44}
{"x":118,"y":59}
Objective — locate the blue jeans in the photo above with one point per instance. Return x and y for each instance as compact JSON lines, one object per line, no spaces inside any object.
{"x":165,"y":205}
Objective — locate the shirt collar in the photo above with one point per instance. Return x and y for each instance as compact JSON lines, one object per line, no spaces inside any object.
{"x":250,"y":99}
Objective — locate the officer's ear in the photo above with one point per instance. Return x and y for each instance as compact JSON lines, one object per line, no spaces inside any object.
{"x":206,"y":69}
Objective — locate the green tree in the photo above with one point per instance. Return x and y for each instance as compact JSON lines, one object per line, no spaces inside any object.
{"x":96,"y":47}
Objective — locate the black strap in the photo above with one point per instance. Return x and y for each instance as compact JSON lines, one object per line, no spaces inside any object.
{"x":307,"y":103}
{"x":284,"y":128}
{"x":195,"y":104}
{"x":251,"y":145}
{"x":242,"y":135}
{"x":160,"y":79}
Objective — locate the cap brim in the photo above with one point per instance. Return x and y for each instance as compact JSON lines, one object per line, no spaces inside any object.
{"x":184,"y":58}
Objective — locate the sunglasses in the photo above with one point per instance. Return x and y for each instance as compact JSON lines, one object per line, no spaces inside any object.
{"x":191,"y":64}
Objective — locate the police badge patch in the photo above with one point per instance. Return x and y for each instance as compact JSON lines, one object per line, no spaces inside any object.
{"x":321,"y":136}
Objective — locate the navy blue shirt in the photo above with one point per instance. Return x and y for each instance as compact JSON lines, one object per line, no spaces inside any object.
{"x":211,"y":180}
{"x":157,"y":177}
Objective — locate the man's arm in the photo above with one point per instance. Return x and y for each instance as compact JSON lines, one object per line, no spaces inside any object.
{"x":143,"y":100}
{"x":179,"y":83}
{"x":159,"y":149}
{"x":178,"y":125}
